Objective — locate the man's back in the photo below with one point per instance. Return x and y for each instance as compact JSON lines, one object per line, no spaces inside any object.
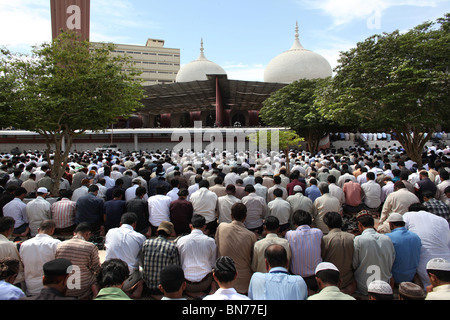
{"x":38,"y":210}
{"x":374,"y":252}
{"x":34,"y":253}
{"x":157,"y":254}
{"x":197,"y":255}
{"x":204,"y":203}
{"x":84,"y":255}
{"x":305,"y":243}
{"x":234,"y":240}
{"x":126,"y":244}
{"x":90,"y":210}
{"x":277,"y":284}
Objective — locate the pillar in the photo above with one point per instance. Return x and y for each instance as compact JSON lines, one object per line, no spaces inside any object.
{"x":71,"y":15}
{"x":219,"y":105}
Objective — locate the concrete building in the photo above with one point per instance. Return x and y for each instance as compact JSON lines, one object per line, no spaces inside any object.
{"x":159,"y":65}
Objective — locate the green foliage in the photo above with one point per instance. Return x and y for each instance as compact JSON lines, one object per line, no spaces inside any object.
{"x":286,"y":139}
{"x":64,"y":89}
{"x":294,"y":107}
{"x":395,"y":81}
{"x":66,"y":86}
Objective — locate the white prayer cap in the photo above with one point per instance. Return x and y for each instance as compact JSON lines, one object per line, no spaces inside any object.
{"x":326,"y":266}
{"x":438,"y":264}
{"x":380,"y":287}
{"x":395,"y":217}
{"x":42,"y":190}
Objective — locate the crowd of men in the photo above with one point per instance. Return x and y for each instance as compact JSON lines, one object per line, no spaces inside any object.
{"x":339,"y":224}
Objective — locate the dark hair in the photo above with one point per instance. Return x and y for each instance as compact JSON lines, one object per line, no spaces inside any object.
{"x":93,"y":188}
{"x":366,"y":220}
{"x":379,"y":296}
{"x":140,"y":191}
{"x":198,"y":221}
{"x":66,"y":193}
{"x":83,"y":227}
{"x":258,"y":179}
{"x":239,"y":211}
{"x":128,"y":218}
{"x":276,"y":255}
{"x":428,"y":194}
{"x":278,"y":193}
{"x":417,"y":207}
{"x":329,"y":276}
{"x":203,"y":184}
{"x":272,"y":223}
{"x":20,"y":191}
{"x":370,"y":175}
{"x":160,"y":189}
{"x":331,"y":178}
{"x":117,"y":193}
{"x":277,"y":179}
{"x":8,"y":267}
{"x":333,"y":220}
{"x":174,"y":183}
{"x":442,"y":275}
{"x":6,"y":223}
{"x":249,"y":188}
{"x":171,"y":278}
{"x":112,"y":273}
{"x":301,"y":217}
{"x":47,"y":225}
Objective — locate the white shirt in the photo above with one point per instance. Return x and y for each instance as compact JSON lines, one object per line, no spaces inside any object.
{"x":38,"y":210}
{"x":34,"y":253}
{"x":130,"y":193}
{"x":226,"y":294}
{"x":204,"y":203}
{"x":281,"y":209}
{"x":197,"y":255}
{"x":224,"y":205}
{"x":173,"y":194}
{"x":257,"y":210}
{"x":158,"y":209}
{"x":124,"y":243}
{"x":435,"y":236}
{"x":79,"y":192}
{"x":372,"y":194}
{"x":16,"y":209}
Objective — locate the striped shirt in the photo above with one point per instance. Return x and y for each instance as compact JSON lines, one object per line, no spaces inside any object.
{"x":85,"y":260}
{"x":157,"y":254}
{"x":305,"y":243}
{"x":63,"y":213}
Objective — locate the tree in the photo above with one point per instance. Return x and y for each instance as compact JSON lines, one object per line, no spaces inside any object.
{"x":67,"y":88}
{"x":294,"y":107}
{"x":396,"y":81}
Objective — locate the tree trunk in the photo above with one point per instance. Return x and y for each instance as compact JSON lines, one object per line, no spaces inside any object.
{"x":414,"y":142}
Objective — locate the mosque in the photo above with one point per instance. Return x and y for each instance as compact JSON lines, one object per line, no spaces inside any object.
{"x":203,"y":92}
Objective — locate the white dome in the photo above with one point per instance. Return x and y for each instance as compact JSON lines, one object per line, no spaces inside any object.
{"x":297,"y":63}
{"x":198,"y":70}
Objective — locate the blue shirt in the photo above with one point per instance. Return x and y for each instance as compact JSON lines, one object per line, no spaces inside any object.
{"x":278,"y":284}
{"x":313,"y":192}
{"x":9,"y":291}
{"x":407,"y":246}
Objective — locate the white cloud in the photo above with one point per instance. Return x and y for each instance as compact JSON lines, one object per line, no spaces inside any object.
{"x":24,"y":23}
{"x":241,"y":71}
{"x":345,"y":11}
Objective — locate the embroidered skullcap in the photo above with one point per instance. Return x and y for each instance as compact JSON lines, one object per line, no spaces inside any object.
{"x":363,"y":213}
{"x":225,"y":264}
{"x":298,"y":188}
{"x":411,"y":290}
{"x":438,"y":264}
{"x":380,"y":287}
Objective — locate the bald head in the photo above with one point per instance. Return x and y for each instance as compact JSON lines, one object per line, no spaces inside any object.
{"x":276,"y":256}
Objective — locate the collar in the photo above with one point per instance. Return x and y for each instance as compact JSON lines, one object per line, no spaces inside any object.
{"x":279,"y":270}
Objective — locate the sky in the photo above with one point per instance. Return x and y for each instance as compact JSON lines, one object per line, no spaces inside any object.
{"x":241,"y":36}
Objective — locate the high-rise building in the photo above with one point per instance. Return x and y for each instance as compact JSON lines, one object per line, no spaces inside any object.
{"x":159,"y":65}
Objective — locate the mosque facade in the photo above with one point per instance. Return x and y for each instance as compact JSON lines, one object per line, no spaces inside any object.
{"x":203,"y":92}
